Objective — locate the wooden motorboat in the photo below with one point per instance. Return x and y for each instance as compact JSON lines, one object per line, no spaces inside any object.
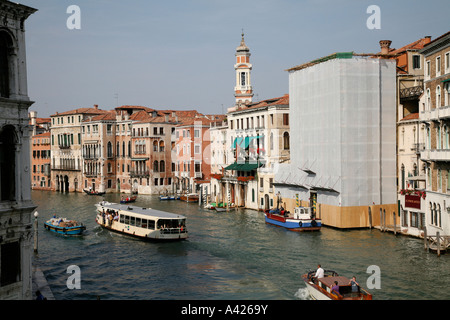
{"x":321,"y":288}
{"x":64,"y":226}
{"x":189,"y":197}
{"x":129,"y":199}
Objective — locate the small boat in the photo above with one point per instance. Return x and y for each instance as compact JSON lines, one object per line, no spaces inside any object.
{"x":93,"y":193}
{"x":301,"y":220}
{"x":210,"y":206}
{"x":129,"y":199}
{"x":220,"y":209}
{"x":321,"y":288}
{"x":189,"y":197}
{"x":64,"y":226}
{"x":142,"y":223}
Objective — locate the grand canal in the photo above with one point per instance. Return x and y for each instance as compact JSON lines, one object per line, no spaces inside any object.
{"x":232,"y":255}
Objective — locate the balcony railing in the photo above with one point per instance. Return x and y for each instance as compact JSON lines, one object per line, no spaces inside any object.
{"x":140,"y":174}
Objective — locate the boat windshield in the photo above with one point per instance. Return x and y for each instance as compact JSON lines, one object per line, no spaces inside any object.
{"x":171,"y":223}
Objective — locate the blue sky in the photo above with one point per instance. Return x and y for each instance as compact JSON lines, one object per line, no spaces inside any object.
{"x":179,"y":54}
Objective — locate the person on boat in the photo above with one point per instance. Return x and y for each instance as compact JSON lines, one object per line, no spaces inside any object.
{"x":354,"y":284}
{"x":319,"y":272}
{"x":335,"y":288}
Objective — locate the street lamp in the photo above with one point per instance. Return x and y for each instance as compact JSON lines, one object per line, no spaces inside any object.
{"x":36,"y":214}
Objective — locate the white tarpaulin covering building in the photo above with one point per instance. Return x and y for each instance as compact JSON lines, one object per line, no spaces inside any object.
{"x":344,"y":153}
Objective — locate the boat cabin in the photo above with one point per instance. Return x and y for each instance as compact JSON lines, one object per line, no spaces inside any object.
{"x":302,"y":213}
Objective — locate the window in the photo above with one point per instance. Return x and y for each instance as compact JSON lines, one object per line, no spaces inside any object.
{"x":428,"y":69}
{"x":10,"y":263}
{"x":7,"y":163}
{"x":286,"y":141}
{"x":197,"y":149}
{"x":416,"y":61}
{"x":286,"y":119}
{"x":196,"y":133}
{"x":438,"y":66}
{"x":242,"y":78}
{"x":5,"y":65}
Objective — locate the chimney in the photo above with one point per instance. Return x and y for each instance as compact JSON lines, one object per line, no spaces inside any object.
{"x":96,"y":106}
{"x":384,"y":44}
{"x":166,"y":117}
{"x":427,"y":40}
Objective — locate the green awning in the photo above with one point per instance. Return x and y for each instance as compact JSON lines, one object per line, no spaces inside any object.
{"x":231,"y":167}
{"x":446,"y":80}
{"x":244,"y":166}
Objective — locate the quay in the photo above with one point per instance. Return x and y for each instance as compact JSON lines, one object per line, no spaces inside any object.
{"x":39,"y":282}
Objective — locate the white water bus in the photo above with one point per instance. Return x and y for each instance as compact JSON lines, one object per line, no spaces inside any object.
{"x":144,"y":223}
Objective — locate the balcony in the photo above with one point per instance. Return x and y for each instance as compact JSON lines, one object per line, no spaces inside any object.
{"x":436,"y":155}
{"x":139,"y":174}
{"x":435,"y":114}
{"x":198,"y":175}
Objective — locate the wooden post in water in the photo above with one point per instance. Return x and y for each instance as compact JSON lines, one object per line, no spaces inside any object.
{"x":438,"y":243}
{"x":381,"y":219}
{"x":395,"y":224}
{"x":425,"y":238}
{"x":370,"y":218}
{"x":384,"y":219}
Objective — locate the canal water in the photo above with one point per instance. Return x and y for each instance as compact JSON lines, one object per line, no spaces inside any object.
{"x":230,"y":255}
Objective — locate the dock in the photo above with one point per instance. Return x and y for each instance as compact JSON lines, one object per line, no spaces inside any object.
{"x":437,"y":243}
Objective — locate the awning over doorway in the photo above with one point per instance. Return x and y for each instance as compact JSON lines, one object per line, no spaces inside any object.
{"x":244,"y":166}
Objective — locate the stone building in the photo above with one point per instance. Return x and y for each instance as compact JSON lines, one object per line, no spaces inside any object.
{"x":16,"y":207}
{"x":433,"y":205}
{"x":66,"y":150}
{"x":98,"y":141}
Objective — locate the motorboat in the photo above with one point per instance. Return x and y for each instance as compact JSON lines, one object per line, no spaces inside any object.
{"x":64,"y":226}
{"x":321,"y":288}
{"x":301,"y":220}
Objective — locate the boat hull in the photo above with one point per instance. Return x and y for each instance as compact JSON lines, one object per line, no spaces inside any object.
{"x":77,"y":230}
{"x":293,"y":224}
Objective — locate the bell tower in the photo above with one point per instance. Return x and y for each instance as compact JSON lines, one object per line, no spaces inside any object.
{"x":243,"y":91}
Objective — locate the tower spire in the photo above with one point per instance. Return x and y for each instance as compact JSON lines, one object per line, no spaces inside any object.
{"x":243,"y":91}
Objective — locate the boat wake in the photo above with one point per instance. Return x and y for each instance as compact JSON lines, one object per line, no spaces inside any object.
{"x":302,"y":294}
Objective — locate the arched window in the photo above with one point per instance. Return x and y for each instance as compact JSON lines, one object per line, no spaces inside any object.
{"x":161,"y":146}
{"x":109,"y":150}
{"x":155,"y":166}
{"x":7,"y":163}
{"x":438,"y":96}
{"x":162,"y":166}
{"x":6,"y":49}
{"x":286,"y":140}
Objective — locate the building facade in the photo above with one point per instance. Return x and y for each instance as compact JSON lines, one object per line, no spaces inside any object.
{"x":429,"y":207}
{"x":66,"y":148}
{"x":41,"y":161}
{"x":16,"y":207}
{"x":343,"y":162}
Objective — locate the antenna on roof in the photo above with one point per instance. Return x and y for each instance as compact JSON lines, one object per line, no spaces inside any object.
{"x":116,"y":96}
